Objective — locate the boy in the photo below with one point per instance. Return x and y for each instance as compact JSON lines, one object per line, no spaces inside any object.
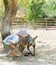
{"x":12,"y":39}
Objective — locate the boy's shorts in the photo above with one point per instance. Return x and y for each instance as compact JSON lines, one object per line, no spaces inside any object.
{"x":7,"y":47}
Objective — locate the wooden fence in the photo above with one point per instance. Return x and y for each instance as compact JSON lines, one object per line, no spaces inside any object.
{"x":46,"y":23}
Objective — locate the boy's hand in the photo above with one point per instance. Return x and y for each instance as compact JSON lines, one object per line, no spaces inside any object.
{"x":12,"y":45}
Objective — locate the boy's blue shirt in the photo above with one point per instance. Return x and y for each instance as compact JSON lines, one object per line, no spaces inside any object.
{"x":14,"y":38}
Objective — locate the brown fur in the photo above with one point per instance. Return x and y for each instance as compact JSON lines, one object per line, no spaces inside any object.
{"x":21,"y":46}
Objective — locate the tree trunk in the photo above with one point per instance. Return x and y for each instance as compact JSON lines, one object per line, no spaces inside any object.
{"x":5,"y":26}
{"x":9,"y":15}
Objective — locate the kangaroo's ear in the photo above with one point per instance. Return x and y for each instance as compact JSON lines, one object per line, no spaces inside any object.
{"x":35,"y":37}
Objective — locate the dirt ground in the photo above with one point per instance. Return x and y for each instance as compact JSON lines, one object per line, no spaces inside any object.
{"x":45,"y":49}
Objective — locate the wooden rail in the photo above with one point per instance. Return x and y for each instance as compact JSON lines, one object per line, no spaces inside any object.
{"x":47,"y":23}
{"x":50,"y":23}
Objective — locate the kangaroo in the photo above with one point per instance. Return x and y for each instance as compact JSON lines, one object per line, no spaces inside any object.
{"x":27,"y":41}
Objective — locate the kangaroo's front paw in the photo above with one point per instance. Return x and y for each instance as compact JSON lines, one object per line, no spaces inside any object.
{"x":26,"y":55}
{"x":32,"y":54}
{"x":29,"y":53}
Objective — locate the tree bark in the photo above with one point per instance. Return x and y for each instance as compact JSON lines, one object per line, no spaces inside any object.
{"x":9,"y":15}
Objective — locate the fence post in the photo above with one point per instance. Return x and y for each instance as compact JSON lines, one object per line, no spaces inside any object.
{"x":46,"y":23}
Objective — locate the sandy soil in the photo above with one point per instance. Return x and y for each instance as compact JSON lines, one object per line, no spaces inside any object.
{"x":45,"y":50}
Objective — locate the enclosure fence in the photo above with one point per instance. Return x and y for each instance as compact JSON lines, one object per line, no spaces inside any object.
{"x":46,"y":23}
